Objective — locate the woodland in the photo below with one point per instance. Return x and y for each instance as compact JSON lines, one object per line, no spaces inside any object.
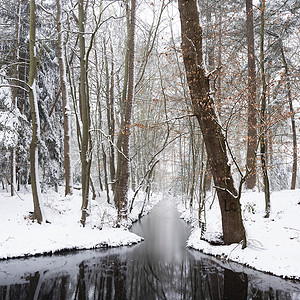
{"x":122,"y":98}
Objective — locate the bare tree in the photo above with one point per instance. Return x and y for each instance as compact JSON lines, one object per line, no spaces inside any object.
{"x":293,"y":123}
{"x":263,"y":126}
{"x":122,"y":191}
{"x":203,"y":107}
{"x":14,"y":96}
{"x":252,"y":114}
{"x":36,"y":193}
{"x":86,"y":152}
{"x":65,"y":101}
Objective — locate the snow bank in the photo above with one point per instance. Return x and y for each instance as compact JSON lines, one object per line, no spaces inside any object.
{"x":19,"y":236}
{"x":273,"y":243}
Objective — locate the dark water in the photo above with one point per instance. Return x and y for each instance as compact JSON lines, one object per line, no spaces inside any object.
{"x":159,"y":268}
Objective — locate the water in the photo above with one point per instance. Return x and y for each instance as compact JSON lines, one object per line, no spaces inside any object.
{"x":159,"y":268}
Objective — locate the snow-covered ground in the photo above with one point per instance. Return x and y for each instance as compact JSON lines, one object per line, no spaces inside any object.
{"x":19,"y":236}
{"x":273,"y":243}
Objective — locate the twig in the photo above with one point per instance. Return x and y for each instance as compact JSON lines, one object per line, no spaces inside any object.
{"x":290,"y":228}
{"x":226,"y":190}
{"x":9,"y":238}
{"x":240,"y":243}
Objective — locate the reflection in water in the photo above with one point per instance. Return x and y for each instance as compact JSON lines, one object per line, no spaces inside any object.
{"x":235,"y":285}
{"x":159,"y":268}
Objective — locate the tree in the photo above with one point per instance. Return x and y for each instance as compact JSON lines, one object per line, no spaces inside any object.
{"x":263,"y":125}
{"x":14,"y":97}
{"x":203,"y":107}
{"x":86,"y":152}
{"x":122,"y":190}
{"x":293,"y":123}
{"x":34,"y":174}
{"x":252,"y":117}
{"x":65,"y":101}
{"x":123,"y":100}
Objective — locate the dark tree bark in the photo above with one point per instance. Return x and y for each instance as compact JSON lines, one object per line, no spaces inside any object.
{"x":293,"y":123}
{"x":252,"y":115}
{"x":122,"y":192}
{"x":110,"y":113}
{"x":122,"y":113}
{"x":191,"y":33}
{"x":85,"y":117}
{"x":263,"y":143}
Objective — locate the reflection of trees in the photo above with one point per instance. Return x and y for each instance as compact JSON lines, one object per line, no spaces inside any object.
{"x":103,"y":278}
{"x":207,"y":282}
{"x":114,"y":277}
{"x":235,"y":285}
{"x":34,"y":285}
{"x":156,"y":280}
{"x":271,"y":293}
{"x":81,"y":291}
{"x":55,"y":288}
{"x":119,"y":280}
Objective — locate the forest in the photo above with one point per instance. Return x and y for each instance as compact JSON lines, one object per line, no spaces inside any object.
{"x":123,"y":100}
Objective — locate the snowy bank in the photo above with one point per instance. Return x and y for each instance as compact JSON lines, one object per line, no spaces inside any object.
{"x":19,"y":236}
{"x":273,"y":243}
{"x":16,"y":271}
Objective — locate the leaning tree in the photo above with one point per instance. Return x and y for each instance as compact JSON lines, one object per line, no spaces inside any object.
{"x":203,"y":107}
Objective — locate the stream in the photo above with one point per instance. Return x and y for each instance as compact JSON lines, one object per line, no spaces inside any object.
{"x":161,"y":267}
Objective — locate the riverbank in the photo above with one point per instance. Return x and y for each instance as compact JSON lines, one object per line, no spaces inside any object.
{"x":273,"y":244}
{"x":19,"y":236}
{"x":161,"y":267}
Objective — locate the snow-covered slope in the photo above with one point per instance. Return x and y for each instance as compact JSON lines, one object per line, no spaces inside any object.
{"x":273,"y":243}
{"x":19,"y":236}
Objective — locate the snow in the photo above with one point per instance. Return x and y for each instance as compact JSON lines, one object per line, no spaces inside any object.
{"x":12,"y":271}
{"x":38,"y":188}
{"x":8,"y":117}
{"x":273,"y":243}
{"x":19,"y":236}
{"x":36,"y":109}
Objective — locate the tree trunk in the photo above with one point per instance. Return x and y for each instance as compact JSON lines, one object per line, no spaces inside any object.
{"x":191,"y":33}
{"x":112,"y":122}
{"x":105,"y":174}
{"x":263,"y":126}
{"x":252,"y":116}
{"x":65,"y":101}
{"x":85,"y":117}
{"x":123,"y":101}
{"x":14,"y":99}
{"x":293,"y":123}
{"x":122,"y":192}
{"x":36,"y":193}
{"x":98,"y":121}
{"x":110,"y":111}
